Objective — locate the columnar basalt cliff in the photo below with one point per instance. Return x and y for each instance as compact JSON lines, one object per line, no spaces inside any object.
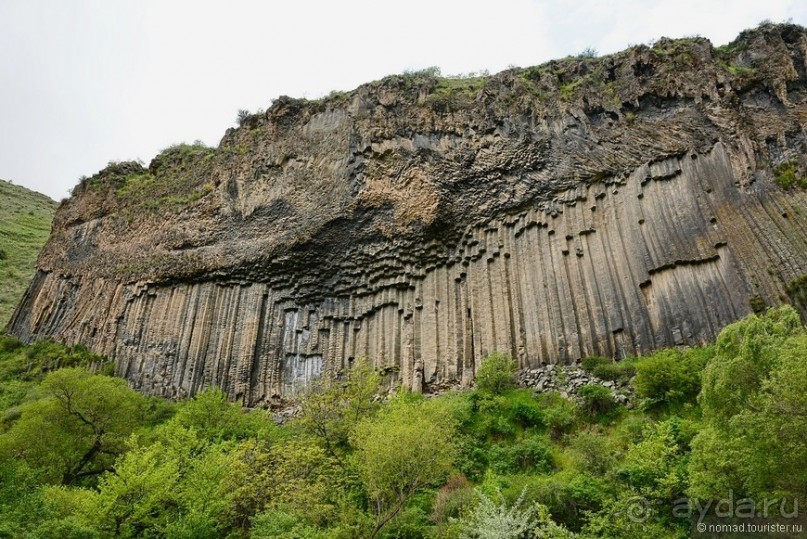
{"x":586,"y":206}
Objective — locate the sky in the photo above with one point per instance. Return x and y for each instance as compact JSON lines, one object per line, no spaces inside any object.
{"x":85,"y":82}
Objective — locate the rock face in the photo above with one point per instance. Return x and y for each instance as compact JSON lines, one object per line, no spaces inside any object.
{"x":604,"y":206}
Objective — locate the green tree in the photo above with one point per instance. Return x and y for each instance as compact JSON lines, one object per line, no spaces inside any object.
{"x":78,"y":426}
{"x":496,"y":374}
{"x":629,"y":517}
{"x":280,"y":524}
{"x":528,"y":454}
{"x":670,"y":377}
{"x":592,"y":452}
{"x":177,"y":486}
{"x":140,"y":496}
{"x":754,"y":408}
{"x":568,"y":494}
{"x":560,"y":413}
{"x":66,"y":515}
{"x":204,"y":498}
{"x":20,"y":497}
{"x":745,"y":353}
{"x":214,"y":418}
{"x":407,"y":447}
{"x":295,"y":475}
{"x":332,"y":407}
{"x":655,"y":468}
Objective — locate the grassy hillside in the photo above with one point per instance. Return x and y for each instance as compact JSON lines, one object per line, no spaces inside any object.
{"x":25,"y":218}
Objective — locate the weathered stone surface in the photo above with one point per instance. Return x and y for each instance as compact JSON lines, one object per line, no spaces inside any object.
{"x":603,"y":206}
{"x":568,"y":379}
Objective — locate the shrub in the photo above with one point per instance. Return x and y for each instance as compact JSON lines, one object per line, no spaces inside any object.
{"x":472,"y":457}
{"x":294,"y":474}
{"x":497,"y":426}
{"x":569,"y":495}
{"x":64,"y":529}
{"x":757,"y":303}
{"x":426,"y":73}
{"x":487,"y":420}
{"x":606,"y":369}
{"x":411,"y":523}
{"x":502,"y":416}
{"x":242,"y":116}
{"x":279,"y":524}
{"x":214,"y":418}
{"x":597,"y":400}
{"x":31,"y":363}
{"x":560,"y":414}
{"x":656,"y":467}
{"x":492,"y":520}
{"x":530,"y":454}
{"x":529,"y":414}
{"x":21,"y":502}
{"x":496,"y":374}
{"x":619,"y":520}
{"x":9,"y":344}
{"x":452,"y":499}
{"x":592,"y":453}
{"x":590,"y":363}
{"x":632,"y":428}
{"x":588,"y":52}
{"x":497,"y":521}
{"x":787,"y":176}
{"x":670,"y":377}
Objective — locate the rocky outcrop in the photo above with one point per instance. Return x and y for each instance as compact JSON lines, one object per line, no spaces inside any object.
{"x":567,"y":380}
{"x":589,"y":206}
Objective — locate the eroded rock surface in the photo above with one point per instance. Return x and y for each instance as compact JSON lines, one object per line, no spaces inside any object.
{"x":589,"y":206}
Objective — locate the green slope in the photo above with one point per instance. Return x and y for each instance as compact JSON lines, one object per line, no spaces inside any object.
{"x":25,"y":218}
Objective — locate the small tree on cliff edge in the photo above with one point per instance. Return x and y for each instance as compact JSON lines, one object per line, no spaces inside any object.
{"x":496,"y":374}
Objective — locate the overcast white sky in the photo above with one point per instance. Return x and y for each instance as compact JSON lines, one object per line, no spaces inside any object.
{"x":83,"y":82}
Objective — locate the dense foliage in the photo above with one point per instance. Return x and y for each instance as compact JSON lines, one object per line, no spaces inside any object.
{"x":83,"y":456}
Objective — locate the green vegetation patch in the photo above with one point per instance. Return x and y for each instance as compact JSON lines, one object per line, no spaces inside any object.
{"x":757,"y":303}
{"x":82,"y":455}
{"x":740,"y":70}
{"x":455,"y":93}
{"x":567,"y":90}
{"x":788,"y":175}
{"x":733,"y":48}
{"x":22,"y":367}
{"x":608,"y":369}
{"x":25,"y":221}
{"x":178,"y":176}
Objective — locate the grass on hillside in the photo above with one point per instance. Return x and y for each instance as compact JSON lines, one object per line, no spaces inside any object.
{"x":25,"y":219}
